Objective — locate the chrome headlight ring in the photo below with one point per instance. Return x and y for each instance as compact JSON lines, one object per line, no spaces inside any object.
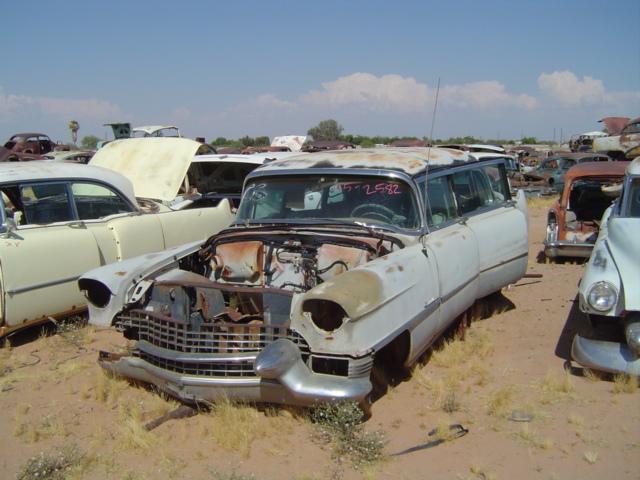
{"x":602,"y":296}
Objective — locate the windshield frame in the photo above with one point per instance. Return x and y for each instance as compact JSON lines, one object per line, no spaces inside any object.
{"x":625,"y":209}
{"x":390,"y":175}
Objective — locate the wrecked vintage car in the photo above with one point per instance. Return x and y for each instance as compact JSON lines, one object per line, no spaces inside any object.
{"x":60,"y":220}
{"x":609,"y":290}
{"x":551,"y":171}
{"x":624,"y":146}
{"x":573,"y":222}
{"x":334,"y":264}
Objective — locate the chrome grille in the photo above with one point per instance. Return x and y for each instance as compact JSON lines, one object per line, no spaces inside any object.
{"x":229,"y":344}
{"x":222,"y":368}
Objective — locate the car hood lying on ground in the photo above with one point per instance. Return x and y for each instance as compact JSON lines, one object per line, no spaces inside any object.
{"x":155,"y":166}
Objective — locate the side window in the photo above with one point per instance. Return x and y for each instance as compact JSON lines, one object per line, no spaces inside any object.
{"x":441,"y":206}
{"x":466,"y":198}
{"x":97,"y":201}
{"x":496,"y":174}
{"x":45,"y":203}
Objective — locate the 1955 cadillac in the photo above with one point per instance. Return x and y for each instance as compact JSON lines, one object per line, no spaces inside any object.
{"x":336,"y":260}
{"x":610,"y":286}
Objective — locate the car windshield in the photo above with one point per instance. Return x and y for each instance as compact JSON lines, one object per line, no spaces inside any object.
{"x":295,"y":199}
{"x":633,"y":204}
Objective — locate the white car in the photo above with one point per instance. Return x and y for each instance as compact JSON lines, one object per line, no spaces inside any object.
{"x":610,"y":287}
{"x":60,"y":220}
{"x":337,"y":261}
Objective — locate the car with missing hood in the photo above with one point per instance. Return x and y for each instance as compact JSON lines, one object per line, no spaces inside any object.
{"x":60,"y":220}
{"x":573,"y":221}
{"x":337,"y":262}
{"x":609,"y":291}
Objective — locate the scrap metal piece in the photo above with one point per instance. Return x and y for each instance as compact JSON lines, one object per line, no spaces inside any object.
{"x":183,"y":411}
{"x":455,"y":431}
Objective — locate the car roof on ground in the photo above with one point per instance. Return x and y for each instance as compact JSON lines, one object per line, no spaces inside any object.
{"x":41,"y":170}
{"x":411,"y":160}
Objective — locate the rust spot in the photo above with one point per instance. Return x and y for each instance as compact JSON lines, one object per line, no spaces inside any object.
{"x":401,"y":268}
{"x":121,"y":274}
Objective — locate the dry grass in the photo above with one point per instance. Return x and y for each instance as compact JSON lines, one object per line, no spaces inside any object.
{"x":235,"y":426}
{"x":576,"y":420}
{"x":482,"y":473}
{"x":34,"y":431}
{"x":623,"y":383}
{"x":590,"y":457}
{"x":500,"y":401}
{"x":531,"y":438}
{"x":453,"y":353}
{"x":109,"y":388}
{"x":557,"y":388}
{"x":541,"y":202}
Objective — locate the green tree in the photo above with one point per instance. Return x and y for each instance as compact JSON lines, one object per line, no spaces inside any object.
{"x":90,"y":142}
{"x":326,"y":130}
{"x":262,"y":141}
{"x":529,"y":140}
{"x":74,"y":126}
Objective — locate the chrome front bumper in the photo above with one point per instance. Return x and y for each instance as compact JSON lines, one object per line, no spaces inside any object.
{"x":610,"y":357}
{"x":281,"y":376}
{"x":567,"y":249}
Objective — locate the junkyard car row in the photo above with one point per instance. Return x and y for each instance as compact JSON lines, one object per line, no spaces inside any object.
{"x":336,"y":263}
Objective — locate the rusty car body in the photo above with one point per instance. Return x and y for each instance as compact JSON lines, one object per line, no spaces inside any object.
{"x":60,"y":220}
{"x":624,"y":146}
{"x":337,"y":261}
{"x":550,"y":171}
{"x":33,"y":143}
{"x":609,"y":291}
{"x":573,"y":222}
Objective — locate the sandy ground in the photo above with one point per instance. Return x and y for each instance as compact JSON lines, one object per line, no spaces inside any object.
{"x":53,"y":395}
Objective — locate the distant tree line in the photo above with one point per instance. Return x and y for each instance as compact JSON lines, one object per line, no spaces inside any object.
{"x":332,"y":130}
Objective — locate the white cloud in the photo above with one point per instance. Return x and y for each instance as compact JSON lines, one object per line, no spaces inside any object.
{"x":488,"y":94}
{"x":388,"y":92}
{"x":566,"y":88}
{"x":64,"y":108}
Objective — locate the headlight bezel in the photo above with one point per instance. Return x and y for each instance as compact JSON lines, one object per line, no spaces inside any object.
{"x":599,"y":291}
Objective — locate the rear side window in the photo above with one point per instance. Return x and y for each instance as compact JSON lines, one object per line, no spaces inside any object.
{"x":442,"y":207}
{"x":480,"y":187}
{"x":46,"y":203}
{"x":97,"y":201}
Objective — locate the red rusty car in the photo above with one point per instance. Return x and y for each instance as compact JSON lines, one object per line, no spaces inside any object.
{"x":573,"y":221}
{"x":36,"y":143}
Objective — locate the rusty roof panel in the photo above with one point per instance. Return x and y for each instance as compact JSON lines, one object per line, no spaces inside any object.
{"x":408,"y":160}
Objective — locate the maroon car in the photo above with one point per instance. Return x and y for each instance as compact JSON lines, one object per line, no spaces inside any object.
{"x":36,"y":143}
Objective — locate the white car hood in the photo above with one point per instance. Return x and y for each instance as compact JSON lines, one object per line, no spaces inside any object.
{"x":155,"y":166}
{"x":624,"y":246}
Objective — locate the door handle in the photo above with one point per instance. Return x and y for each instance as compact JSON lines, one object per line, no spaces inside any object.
{"x":76,"y":224}
{"x":463,"y":220}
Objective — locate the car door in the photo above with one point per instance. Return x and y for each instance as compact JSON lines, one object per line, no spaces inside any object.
{"x":44,"y":255}
{"x":496,"y":224}
{"x":119,"y":228}
{"x":454,"y":247}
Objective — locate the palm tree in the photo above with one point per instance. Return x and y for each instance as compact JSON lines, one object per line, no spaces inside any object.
{"x":74,"y":127}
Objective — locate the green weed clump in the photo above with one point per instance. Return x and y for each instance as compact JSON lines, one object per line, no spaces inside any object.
{"x":341,"y":425}
{"x":52,"y":466}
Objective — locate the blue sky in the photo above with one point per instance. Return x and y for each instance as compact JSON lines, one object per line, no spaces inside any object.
{"x":273,"y":68}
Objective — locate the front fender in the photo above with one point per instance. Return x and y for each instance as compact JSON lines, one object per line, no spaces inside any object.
{"x":114,"y":284}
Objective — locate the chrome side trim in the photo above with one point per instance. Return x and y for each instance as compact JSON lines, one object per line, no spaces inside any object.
{"x":504,"y":262}
{"x":36,"y":286}
{"x":458,"y":289}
